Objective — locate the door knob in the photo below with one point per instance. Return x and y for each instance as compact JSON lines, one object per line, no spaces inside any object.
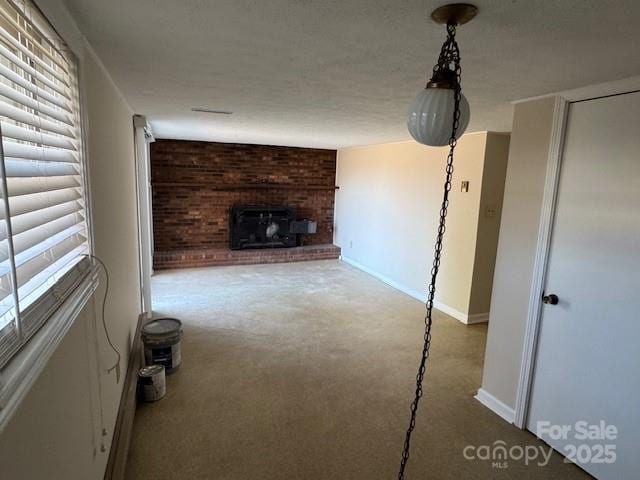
{"x":550,"y":299}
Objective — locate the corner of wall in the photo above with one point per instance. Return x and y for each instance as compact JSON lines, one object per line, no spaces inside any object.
{"x":377,"y":182}
{"x":96,"y":58}
{"x":519,"y":222}
{"x":489,"y":210}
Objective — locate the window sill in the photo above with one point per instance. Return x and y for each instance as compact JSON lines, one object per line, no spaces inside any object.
{"x":19,"y":375}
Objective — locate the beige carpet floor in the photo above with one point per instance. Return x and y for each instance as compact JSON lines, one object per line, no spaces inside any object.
{"x":306,"y":371}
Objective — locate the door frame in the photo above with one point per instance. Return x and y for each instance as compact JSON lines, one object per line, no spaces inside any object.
{"x":143,"y":136}
{"x":563,"y":100}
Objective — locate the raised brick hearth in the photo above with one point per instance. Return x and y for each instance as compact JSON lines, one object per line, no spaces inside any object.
{"x":195,"y":184}
{"x":220,"y":257}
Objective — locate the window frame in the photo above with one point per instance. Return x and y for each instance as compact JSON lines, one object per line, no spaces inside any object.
{"x":21,"y":371}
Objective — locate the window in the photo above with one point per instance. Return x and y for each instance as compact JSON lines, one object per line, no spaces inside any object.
{"x":43,"y":218}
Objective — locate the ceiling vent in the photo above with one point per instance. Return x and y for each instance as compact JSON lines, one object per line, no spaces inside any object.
{"x":209,"y":110}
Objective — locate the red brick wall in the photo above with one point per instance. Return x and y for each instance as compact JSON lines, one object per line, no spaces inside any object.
{"x":195,"y":184}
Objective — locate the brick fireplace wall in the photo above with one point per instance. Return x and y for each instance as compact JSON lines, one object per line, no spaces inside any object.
{"x":195,"y":183}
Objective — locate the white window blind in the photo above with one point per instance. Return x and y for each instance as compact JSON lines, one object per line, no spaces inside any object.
{"x":43,"y":228}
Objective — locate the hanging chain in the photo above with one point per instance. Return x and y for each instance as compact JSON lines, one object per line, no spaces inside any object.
{"x":448,"y":61}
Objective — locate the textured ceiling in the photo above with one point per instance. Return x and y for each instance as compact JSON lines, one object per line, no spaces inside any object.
{"x":328,"y":73}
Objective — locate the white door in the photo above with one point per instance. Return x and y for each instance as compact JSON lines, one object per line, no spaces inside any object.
{"x":588,"y":359}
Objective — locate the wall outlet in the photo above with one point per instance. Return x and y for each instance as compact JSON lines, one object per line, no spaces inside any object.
{"x":350,"y":243}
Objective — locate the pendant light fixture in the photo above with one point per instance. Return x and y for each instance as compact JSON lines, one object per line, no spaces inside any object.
{"x":438,"y":116}
{"x":431,"y":113}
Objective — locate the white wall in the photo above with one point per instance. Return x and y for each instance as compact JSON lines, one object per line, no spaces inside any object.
{"x":55,"y":434}
{"x":387,"y":210}
{"x":493,"y":178}
{"x":524,"y":188}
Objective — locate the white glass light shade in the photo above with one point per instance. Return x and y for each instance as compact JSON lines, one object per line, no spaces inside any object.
{"x":431,"y":116}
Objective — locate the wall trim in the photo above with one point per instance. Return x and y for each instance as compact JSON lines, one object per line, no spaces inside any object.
{"x":89,"y":48}
{"x":589,"y":92}
{"x":465,"y":318}
{"x":420,"y":296}
{"x":395,"y":142}
{"x":142,"y":136}
{"x":474,"y":318}
{"x":534,"y":310}
{"x":452,"y":312}
{"x":496,"y":406}
{"x":121,"y":440}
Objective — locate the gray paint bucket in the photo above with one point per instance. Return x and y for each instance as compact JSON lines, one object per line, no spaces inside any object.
{"x":153,"y":382}
{"x":161,"y":339}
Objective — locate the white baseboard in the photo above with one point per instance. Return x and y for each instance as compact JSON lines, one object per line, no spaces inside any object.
{"x":121,"y":440}
{"x":452,"y":312}
{"x":463,"y":317}
{"x":392,"y":283}
{"x":477,"y":318}
{"x":496,"y":406}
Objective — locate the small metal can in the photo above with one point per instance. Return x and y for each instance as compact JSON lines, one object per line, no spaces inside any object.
{"x":152,"y":379}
